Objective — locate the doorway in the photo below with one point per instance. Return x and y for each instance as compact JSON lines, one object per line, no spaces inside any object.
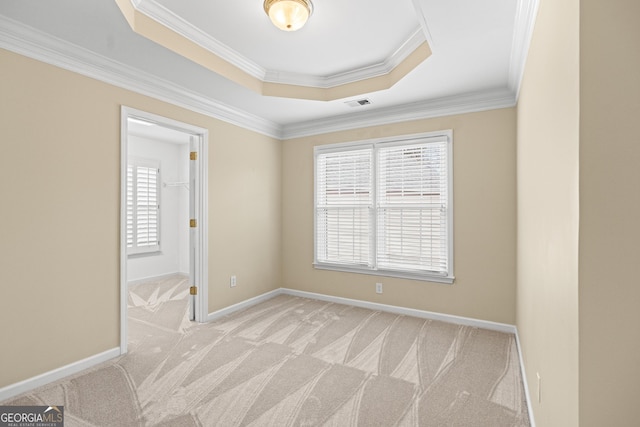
{"x":163,"y":181}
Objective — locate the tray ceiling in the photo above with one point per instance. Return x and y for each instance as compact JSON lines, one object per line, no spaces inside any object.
{"x":430,"y":57}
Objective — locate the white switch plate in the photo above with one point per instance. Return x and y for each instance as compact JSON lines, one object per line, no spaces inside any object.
{"x":232,"y":283}
{"x":378,"y":288}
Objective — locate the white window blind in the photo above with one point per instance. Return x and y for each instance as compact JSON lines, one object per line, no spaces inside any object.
{"x":412,"y":207}
{"x":384,"y":207}
{"x":344,"y":207}
{"x":143,"y":207}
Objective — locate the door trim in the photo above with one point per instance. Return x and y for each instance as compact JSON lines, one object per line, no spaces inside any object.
{"x":202,"y":214}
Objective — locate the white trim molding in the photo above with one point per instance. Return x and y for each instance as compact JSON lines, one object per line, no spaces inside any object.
{"x":201,"y":197}
{"x":422,"y":18}
{"x":169,"y":19}
{"x":56,"y":374}
{"x":371,"y":71}
{"x":33,"y":43}
{"x":458,"y":320}
{"x":76,"y":367}
{"x":523,"y":32}
{"x":156,"y":278}
{"x":243,"y":305}
{"x":525,"y":383}
{"x":468,"y":103}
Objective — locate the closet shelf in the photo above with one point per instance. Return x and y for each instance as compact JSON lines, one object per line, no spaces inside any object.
{"x":177,"y":184}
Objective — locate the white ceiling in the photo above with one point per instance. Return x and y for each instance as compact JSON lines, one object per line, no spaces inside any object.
{"x":316,"y":49}
{"x":478,"y":52}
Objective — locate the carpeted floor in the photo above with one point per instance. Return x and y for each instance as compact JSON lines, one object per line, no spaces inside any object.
{"x":292,"y":361}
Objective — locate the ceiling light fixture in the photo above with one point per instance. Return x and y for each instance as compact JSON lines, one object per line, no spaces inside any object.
{"x":288,"y":15}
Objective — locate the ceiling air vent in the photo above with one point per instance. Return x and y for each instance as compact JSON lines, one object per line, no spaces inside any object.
{"x":358,"y":102}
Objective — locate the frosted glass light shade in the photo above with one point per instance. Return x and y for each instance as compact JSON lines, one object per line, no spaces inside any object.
{"x":288,"y":15}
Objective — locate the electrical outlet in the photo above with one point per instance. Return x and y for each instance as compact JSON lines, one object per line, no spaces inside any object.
{"x":232,"y":283}
{"x":378,"y":288}
{"x":539,"y":386}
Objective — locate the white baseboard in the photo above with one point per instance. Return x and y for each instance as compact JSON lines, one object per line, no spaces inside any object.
{"x":466,"y":321}
{"x":73,"y":368}
{"x":155,"y":278}
{"x":458,"y":320}
{"x":48,"y":377}
{"x":525,"y":384}
{"x":242,"y":305}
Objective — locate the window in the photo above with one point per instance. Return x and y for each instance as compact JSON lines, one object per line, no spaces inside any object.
{"x":143,"y":206}
{"x":385,"y":207}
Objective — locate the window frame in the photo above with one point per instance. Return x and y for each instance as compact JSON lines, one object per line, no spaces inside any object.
{"x":374,"y":144}
{"x":135,"y":251}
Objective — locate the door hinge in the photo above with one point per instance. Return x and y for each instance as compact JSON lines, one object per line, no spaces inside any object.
{"x":193,"y":290}
{"x":193,"y":223}
{"x":193,"y":155}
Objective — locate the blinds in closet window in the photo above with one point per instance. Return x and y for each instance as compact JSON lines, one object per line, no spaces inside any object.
{"x":143,"y":208}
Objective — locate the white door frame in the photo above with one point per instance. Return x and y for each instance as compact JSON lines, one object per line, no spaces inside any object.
{"x":200,"y":194}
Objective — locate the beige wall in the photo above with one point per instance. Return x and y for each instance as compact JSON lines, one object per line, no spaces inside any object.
{"x":609,"y":213}
{"x":484,"y":223}
{"x":244,"y":215}
{"x":578,"y":151}
{"x":548,"y":213}
{"x":578,"y":296}
{"x":60,"y":186}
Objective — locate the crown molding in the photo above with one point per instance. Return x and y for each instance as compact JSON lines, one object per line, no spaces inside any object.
{"x":27,"y":41}
{"x":422,"y":18}
{"x":468,"y":103}
{"x":522,"y":34}
{"x":30,"y":42}
{"x":164,"y":16}
{"x":167,"y":18}
{"x":326,"y":82}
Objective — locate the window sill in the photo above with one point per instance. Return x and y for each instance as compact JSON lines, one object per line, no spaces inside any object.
{"x":388,"y":273}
